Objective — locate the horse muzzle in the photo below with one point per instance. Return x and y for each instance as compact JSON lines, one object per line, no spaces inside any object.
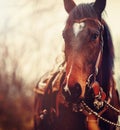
{"x":94,"y":95}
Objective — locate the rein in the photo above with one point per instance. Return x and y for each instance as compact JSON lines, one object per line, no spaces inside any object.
{"x":81,"y":106}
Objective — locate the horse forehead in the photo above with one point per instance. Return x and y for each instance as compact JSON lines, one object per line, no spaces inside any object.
{"x":78,"y":27}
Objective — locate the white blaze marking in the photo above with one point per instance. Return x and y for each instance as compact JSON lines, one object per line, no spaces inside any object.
{"x":77,"y":27}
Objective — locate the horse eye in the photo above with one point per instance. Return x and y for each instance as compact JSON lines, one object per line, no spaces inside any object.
{"x":94,"y":36}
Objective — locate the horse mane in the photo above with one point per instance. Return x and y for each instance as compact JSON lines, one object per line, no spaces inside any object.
{"x":105,"y":76}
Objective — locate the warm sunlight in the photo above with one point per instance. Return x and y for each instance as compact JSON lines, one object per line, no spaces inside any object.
{"x":30,"y":43}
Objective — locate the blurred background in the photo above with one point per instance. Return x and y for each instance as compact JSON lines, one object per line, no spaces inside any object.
{"x":30,"y":41}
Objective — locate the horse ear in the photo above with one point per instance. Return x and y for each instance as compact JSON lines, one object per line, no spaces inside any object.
{"x":99,"y":6}
{"x":69,"y":5}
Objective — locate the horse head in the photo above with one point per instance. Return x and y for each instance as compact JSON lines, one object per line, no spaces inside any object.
{"x":83,"y":35}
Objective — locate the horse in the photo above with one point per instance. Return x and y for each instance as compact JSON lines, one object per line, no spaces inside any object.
{"x":81,"y":93}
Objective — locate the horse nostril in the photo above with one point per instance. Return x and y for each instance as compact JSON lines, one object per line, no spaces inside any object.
{"x":75,"y":92}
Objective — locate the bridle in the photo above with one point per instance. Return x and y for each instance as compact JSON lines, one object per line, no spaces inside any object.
{"x":91,"y":77}
{"x":101,"y":105}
